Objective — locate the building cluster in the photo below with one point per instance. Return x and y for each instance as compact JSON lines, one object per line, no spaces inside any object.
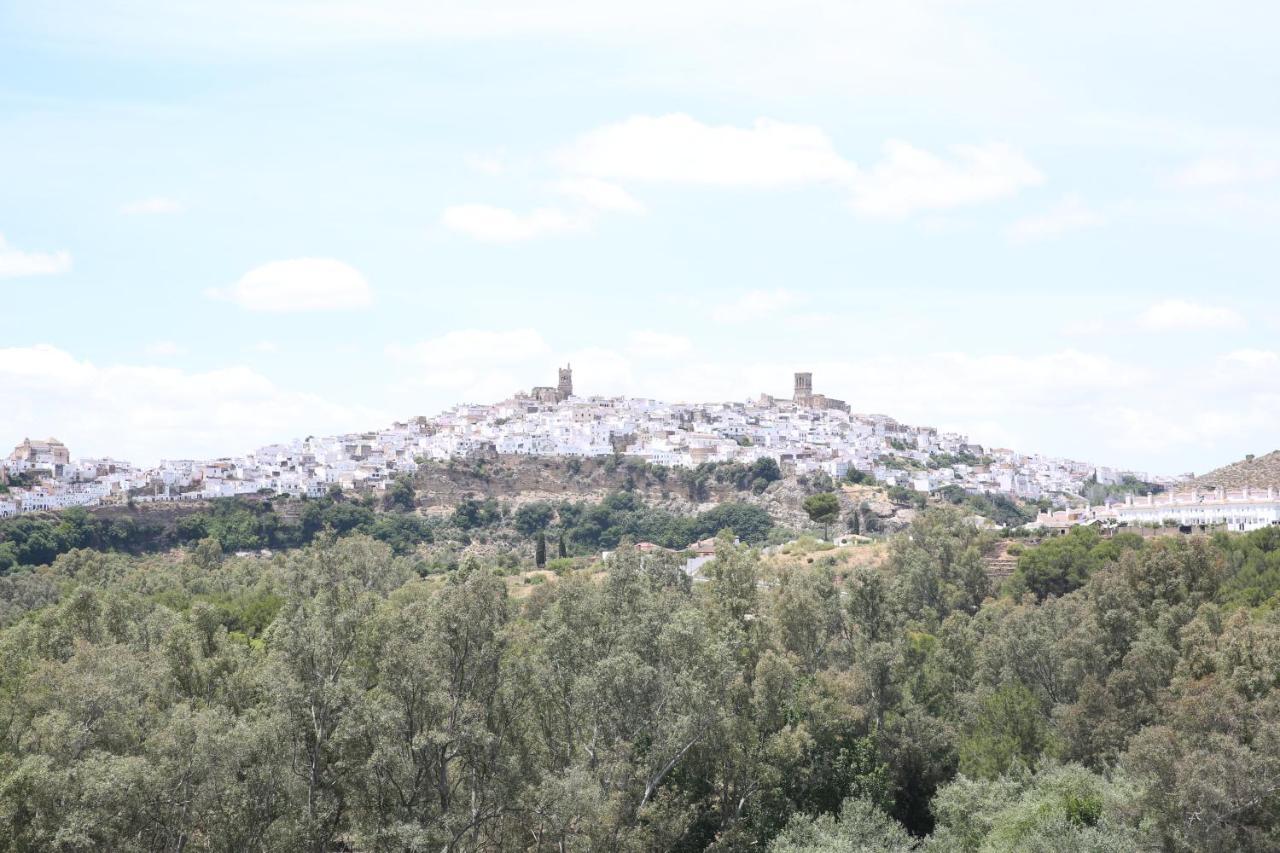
{"x":808,"y":433}
{"x":1238,"y":510}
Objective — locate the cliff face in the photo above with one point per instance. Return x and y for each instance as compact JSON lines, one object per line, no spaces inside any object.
{"x":1258,"y":472}
{"x":518,"y":480}
{"x":524,"y":479}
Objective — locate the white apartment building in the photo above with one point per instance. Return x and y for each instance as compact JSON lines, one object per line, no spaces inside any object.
{"x":1238,"y":510}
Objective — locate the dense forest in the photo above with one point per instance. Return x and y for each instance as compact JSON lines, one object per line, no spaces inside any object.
{"x":1118,"y":694}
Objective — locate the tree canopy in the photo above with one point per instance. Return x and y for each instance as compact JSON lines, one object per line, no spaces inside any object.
{"x":333,"y":697}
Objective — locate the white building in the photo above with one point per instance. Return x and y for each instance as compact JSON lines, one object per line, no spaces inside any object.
{"x":1246,"y":509}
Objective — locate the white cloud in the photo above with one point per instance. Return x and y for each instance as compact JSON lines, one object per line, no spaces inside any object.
{"x":156,"y":205}
{"x":910,"y":180}
{"x":754,"y":305}
{"x":1085,"y":328}
{"x":144,"y":413}
{"x":677,"y":148}
{"x":708,"y":45}
{"x":1069,"y":214}
{"x":600,"y":370}
{"x":1252,"y":359}
{"x":472,"y":346}
{"x":471,"y":365}
{"x":1177,"y":315}
{"x":263,"y":347}
{"x":165,"y":349}
{"x":590,"y":197}
{"x":15,"y":263}
{"x":599,"y":195}
{"x":769,"y":154}
{"x":491,"y":224}
{"x":492,"y":165}
{"x":300,"y":284}
{"x":1219,"y":172}
{"x":647,"y":344}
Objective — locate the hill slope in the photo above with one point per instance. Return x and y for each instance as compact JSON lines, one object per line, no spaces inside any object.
{"x":1259,"y":472}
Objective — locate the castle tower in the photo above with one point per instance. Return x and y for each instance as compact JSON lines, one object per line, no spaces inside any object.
{"x":565,"y":386}
{"x":804,"y":387}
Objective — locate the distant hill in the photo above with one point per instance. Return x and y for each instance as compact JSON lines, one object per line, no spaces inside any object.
{"x":1259,"y":471}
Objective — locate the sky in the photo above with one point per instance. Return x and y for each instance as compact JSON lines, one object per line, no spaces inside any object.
{"x":1049,"y":225}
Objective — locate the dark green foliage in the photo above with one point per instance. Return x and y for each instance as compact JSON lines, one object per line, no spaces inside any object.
{"x":948,"y":460}
{"x":749,"y":522}
{"x":903,"y":496}
{"x":823,"y":508}
{"x":622,"y":515}
{"x":473,"y":513}
{"x":858,"y":477}
{"x":533,"y":518}
{"x":755,"y":477}
{"x":1064,"y":563}
{"x":37,"y":540}
{"x":237,"y":524}
{"x":1096,"y":493}
{"x":402,"y":532}
{"x":764,"y":469}
{"x":1253,"y":562}
{"x":400,"y":496}
{"x":1008,"y":727}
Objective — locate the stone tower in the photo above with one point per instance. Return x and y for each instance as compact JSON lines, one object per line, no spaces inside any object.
{"x":804,"y":387}
{"x":565,"y":387}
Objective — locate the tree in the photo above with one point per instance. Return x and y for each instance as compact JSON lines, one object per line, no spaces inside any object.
{"x":1060,"y":564}
{"x":1009,"y":726}
{"x":861,"y":826}
{"x":471,"y":513}
{"x":333,"y":698}
{"x":763,"y":472}
{"x":207,"y":554}
{"x":540,"y":551}
{"x":534,"y":518}
{"x":400,"y":495}
{"x":823,"y":508}
{"x":858,"y":477}
{"x":1057,"y":808}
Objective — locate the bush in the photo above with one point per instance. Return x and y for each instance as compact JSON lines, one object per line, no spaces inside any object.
{"x":561,"y":566}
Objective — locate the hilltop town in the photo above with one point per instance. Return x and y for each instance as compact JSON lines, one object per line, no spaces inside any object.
{"x":805,"y":433}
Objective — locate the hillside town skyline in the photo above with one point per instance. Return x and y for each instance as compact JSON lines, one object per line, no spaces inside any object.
{"x":807,"y":432}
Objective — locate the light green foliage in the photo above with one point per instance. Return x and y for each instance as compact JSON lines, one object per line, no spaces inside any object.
{"x":331,"y":698}
{"x":859,"y":828}
{"x":1058,"y":809}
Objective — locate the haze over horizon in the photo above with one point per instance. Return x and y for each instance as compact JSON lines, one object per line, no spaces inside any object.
{"x":220,"y":230}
